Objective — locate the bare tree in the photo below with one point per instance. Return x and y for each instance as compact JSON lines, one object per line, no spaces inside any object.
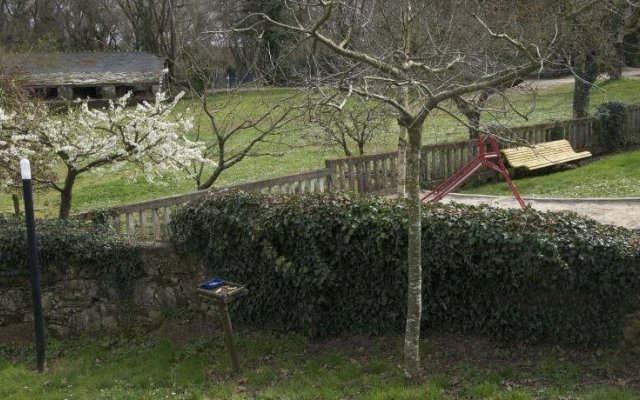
{"x":623,"y":19}
{"x":472,"y":107}
{"x":233,"y":125}
{"x":593,"y":43}
{"x":358,"y":123}
{"x":232,"y":133}
{"x":30,"y":24}
{"x":414,"y":59}
{"x":90,"y":25}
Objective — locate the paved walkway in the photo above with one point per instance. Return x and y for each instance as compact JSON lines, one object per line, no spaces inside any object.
{"x":621,"y":212}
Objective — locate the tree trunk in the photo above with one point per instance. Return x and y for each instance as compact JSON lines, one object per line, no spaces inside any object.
{"x":172,"y":45}
{"x":214,"y":176}
{"x":65,"y":194}
{"x":474,"y":124}
{"x":617,"y":27}
{"x":345,"y":147}
{"x":402,"y":148}
{"x":16,"y":205}
{"x":586,"y":75}
{"x":414,"y":288}
{"x":615,"y":71}
{"x":402,"y":162}
{"x":472,"y":114}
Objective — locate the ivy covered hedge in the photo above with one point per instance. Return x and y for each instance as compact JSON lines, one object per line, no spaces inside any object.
{"x":612,"y":118}
{"x":328,"y":264}
{"x":62,"y":244}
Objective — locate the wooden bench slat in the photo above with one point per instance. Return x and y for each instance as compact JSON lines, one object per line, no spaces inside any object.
{"x":543,"y":155}
{"x":550,"y":156}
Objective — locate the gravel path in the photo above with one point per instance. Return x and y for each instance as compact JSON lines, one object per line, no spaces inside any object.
{"x":543,"y":83}
{"x":621,"y":212}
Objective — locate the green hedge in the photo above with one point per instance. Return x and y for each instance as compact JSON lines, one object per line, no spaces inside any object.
{"x":62,"y":244}
{"x":328,"y":264}
{"x":612,"y":118}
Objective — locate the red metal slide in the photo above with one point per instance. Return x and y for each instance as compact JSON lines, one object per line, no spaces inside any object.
{"x":489,"y":159}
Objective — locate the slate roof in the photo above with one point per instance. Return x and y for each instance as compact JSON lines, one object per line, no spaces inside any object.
{"x":90,"y":68}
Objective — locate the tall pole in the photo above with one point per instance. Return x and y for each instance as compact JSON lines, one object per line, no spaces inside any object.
{"x":32,"y":251}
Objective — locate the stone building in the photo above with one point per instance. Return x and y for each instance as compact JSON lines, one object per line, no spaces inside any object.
{"x":93,"y":75}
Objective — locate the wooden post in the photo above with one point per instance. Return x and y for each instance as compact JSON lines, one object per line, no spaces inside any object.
{"x":223,"y":310}
{"x":222,"y":296}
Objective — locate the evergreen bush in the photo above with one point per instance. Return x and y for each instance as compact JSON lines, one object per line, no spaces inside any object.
{"x":62,"y":244}
{"x":329,"y":264}
{"x":612,"y":119}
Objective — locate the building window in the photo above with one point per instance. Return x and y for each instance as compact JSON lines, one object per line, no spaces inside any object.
{"x":46,"y":93}
{"x":122,"y":90}
{"x":83,"y":92}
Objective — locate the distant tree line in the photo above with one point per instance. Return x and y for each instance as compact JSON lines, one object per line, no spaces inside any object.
{"x":605,"y":37}
{"x":169,"y":28}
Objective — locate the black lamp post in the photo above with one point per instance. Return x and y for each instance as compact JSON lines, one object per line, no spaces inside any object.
{"x":32,"y":251}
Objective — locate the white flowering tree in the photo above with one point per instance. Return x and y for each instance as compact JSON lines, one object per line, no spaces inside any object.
{"x":145,"y":137}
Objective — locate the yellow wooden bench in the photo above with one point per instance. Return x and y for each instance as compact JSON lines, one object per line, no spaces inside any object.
{"x":542,"y":155}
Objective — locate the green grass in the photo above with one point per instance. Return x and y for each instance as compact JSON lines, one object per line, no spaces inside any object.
{"x":615,"y":175}
{"x":290,"y":367}
{"x":295,"y":152}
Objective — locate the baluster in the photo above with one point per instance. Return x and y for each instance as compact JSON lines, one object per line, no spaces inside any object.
{"x":429,"y":164}
{"x":393,"y":172}
{"x":386,"y":182}
{"x":167,"y":218}
{"x":366,"y":176}
{"x":156,"y":224}
{"x":130,"y":224}
{"x":143,"y":224}
{"x":374,"y":180}
{"x":345,"y":176}
{"x":441,"y":166}
{"x":390,"y":167}
{"x":349,"y":176}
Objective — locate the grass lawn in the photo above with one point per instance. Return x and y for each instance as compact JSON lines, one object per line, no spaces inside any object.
{"x":295,"y":152}
{"x":186,"y":361}
{"x":615,"y":175}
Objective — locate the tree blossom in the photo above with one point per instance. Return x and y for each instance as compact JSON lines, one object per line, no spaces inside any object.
{"x":145,"y":136}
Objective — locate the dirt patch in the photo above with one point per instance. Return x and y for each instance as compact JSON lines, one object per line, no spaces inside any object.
{"x":186,"y":331}
{"x":536,"y":365}
{"x":513,"y":364}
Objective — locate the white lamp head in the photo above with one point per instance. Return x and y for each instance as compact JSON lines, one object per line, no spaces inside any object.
{"x":25,"y":169}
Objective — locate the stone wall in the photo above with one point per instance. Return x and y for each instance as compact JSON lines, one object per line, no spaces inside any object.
{"x":81,"y":302}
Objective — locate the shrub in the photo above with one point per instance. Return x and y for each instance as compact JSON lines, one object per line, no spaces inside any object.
{"x":329,"y":264}
{"x":63,"y":243}
{"x":612,"y":118}
{"x":556,"y":133}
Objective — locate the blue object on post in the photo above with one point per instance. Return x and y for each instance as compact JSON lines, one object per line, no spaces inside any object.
{"x":212,"y":284}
